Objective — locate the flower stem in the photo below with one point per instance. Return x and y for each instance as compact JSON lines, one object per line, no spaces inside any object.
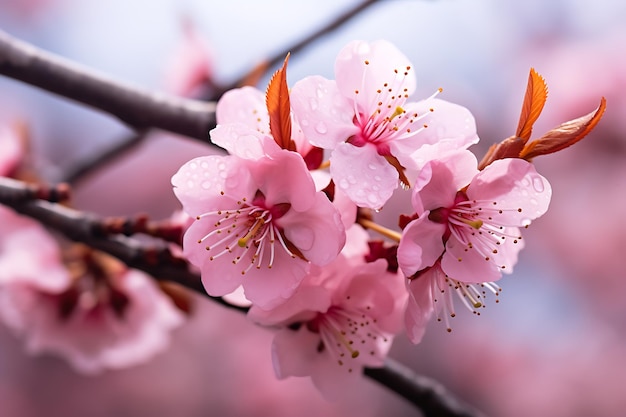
{"x":369,"y":224}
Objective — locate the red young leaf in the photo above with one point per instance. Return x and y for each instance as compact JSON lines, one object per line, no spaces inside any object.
{"x":508,"y":148}
{"x":564,"y":135}
{"x":279,"y":108}
{"x":535,"y":98}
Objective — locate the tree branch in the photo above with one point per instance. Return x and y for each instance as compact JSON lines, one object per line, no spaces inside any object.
{"x":138,"y":108}
{"x":432,"y":398}
{"x":157,"y":260}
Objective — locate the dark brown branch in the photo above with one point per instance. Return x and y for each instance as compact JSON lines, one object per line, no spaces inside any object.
{"x":432,"y":398}
{"x":138,"y":108}
{"x":428,"y":395}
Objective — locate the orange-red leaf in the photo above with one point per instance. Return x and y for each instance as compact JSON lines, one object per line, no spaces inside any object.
{"x":508,"y":148}
{"x":534,"y":100}
{"x":564,"y":135}
{"x":279,"y":108}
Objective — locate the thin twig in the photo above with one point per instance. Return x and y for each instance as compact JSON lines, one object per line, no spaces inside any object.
{"x":329,"y":27}
{"x":426,"y":394}
{"x":138,"y":108}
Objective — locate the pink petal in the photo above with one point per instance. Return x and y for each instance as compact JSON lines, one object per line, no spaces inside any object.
{"x":385,"y":65}
{"x":297,"y":188}
{"x":268,"y":288}
{"x":199,"y":183}
{"x":516,"y":187}
{"x":438,"y":182}
{"x":244,"y":105}
{"x":294,"y":352}
{"x":447,"y":121}
{"x":365,"y":176}
{"x":420,"y":307}
{"x":319,"y":233}
{"x":219,"y":276}
{"x":238,"y":139}
{"x":468,"y":266}
{"x":324,"y":115}
{"x":421,"y":245}
{"x":300,"y":307}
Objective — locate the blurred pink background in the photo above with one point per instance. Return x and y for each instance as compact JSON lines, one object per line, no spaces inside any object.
{"x":555,"y":345}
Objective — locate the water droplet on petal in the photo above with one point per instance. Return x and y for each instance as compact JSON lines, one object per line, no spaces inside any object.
{"x":533,"y":201}
{"x":321,"y":128}
{"x":372,"y":198}
{"x":193,"y":165}
{"x":343,"y":184}
{"x":538,"y":184}
{"x":525,"y":222}
{"x":304,"y":122}
{"x":204,"y":165}
{"x":351,"y":179}
{"x":373,"y":167}
{"x":313,"y":103}
{"x":206,"y":184}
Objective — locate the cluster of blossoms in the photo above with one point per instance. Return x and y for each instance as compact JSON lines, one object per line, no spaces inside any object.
{"x":286,"y":220}
{"x":295,"y":231}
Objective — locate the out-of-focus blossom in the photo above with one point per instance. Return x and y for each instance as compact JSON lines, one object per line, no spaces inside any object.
{"x":342,"y":318}
{"x":191,"y":66}
{"x":95,"y":319}
{"x":259,"y":224}
{"x":364,"y":117}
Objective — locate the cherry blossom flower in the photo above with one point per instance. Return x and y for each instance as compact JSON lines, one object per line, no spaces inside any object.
{"x":466,"y":232}
{"x":259,"y":224}
{"x":471,"y":219}
{"x":343,"y":317}
{"x":364,"y":117}
{"x":95,"y":322}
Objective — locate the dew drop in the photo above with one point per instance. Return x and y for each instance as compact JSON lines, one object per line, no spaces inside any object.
{"x":373,"y":167}
{"x":372,"y":198}
{"x":206,"y":184}
{"x":190,"y":184}
{"x":193,"y":165}
{"x":351,"y":179}
{"x":304,"y":123}
{"x":313,"y":103}
{"x":377,"y":178}
{"x":321,"y":128}
{"x":343,"y":184}
{"x":538,"y":184}
{"x":526,"y":222}
{"x":533,"y":201}
{"x":204,"y":165}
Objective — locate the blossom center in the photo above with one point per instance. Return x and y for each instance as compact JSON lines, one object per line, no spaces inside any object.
{"x":347,"y":332}
{"x":248,"y":233}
